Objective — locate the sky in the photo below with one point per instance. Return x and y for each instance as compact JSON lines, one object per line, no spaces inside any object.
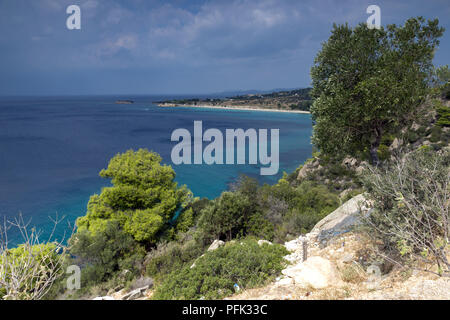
{"x":179,"y":46}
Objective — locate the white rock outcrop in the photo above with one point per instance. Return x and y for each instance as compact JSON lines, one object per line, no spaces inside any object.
{"x":343,"y":219}
{"x":316,"y":272}
{"x":216,"y":244}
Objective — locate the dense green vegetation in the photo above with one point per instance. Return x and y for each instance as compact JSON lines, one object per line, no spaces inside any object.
{"x":371,"y":87}
{"x":130,"y":217}
{"x":215,"y":274}
{"x":370,"y":82}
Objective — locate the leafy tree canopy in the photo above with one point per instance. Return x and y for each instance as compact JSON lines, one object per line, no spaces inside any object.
{"x":143,"y":200}
{"x":368,"y":82}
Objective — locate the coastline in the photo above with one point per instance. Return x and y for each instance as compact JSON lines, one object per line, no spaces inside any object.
{"x":244,"y":108}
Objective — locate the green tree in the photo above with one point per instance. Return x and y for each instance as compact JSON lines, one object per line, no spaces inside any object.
{"x":368,"y":82}
{"x":143,"y":200}
{"x":123,"y":221}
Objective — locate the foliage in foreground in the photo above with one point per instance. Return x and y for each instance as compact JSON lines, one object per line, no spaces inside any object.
{"x":28,"y":271}
{"x":215,"y":274}
{"x":411,"y":199}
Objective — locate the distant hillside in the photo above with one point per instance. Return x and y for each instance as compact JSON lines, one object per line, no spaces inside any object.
{"x":297,"y":99}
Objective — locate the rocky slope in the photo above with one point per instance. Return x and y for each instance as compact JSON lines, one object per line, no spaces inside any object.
{"x":342,"y":263}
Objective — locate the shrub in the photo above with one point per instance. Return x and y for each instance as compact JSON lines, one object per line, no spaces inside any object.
{"x":104,"y":254}
{"x":28,"y":271}
{"x":443,"y":116}
{"x":296,"y":209}
{"x":172,"y":256}
{"x":383,"y":152}
{"x":214,"y":275}
{"x":226,"y":217}
{"x":353,"y":273}
{"x":436,"y":133}
{"x":411,"y":199}
{"x":412,"y":136}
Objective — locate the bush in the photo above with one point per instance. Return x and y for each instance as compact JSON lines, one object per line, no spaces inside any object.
{"x":443,"y":116}
{"x":436,"y":133}
{"x":412,"y":136}
{"x":411,"y":199}
{"x":28,"y":271}
{"x":295,"y":209}
{"x":104,"y":254}
{"x":172,"y":256}
{"x":214,"y":275}
{"x":383,"y":152}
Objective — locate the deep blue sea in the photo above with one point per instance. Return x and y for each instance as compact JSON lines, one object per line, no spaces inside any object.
{"x":52,"y":149}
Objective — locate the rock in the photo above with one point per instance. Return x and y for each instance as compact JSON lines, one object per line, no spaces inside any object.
{"x":286,"y":281}
{"x":349,"y":162}
{"x":348,"y":258}
{"x":216,"y":244}
{"x":292,"y":245}
{"x":104,"y":298}
{"x":308,"y":167}
{"x":415,"y":126}
{"x":294,"y":257}
{"x":135,"y":294}
{"x":142,"y":282}
{"x":315,"y":272}
{"x":303,"y":172}
{"x":343,"y":219}
{"x":261,"y":242}
{"x":395,"y":144}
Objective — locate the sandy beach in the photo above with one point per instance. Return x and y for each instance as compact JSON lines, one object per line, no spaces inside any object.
{"x":249,"y":108}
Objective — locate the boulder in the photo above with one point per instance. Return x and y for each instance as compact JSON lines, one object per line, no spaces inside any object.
{"x":303,"y":172}
{"x":343,"y":219}
{"x":135,"y":294}
{"x":395,"y":144}
{"x":216,"y":244}
{"x":285,"y":281}
{"x":308,"y":167}
{"x":316,"y":272}
{"x":293,"y":245}
{"x":349,"y":162}
{"x":261,"y":242}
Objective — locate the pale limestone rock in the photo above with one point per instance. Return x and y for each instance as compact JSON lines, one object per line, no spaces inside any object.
{"x":286,"y":281}
{"x":396,"y":144}
{"x":292,"y":245}
{"x":135,"y":294}
{"x":216,"y":244}
{"x":343,"y":219}
{"x":261,"y":242}
{"x":315,"y":272}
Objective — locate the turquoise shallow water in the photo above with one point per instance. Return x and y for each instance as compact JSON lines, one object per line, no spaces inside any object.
{"x":52,"y":149}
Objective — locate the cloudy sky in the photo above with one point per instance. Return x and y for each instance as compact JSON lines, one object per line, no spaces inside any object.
{"x":178,"y":46}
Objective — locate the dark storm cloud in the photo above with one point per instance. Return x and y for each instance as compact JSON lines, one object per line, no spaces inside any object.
{"x":141,"y":46}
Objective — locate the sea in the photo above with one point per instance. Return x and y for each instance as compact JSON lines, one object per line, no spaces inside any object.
{"x":53,"y":148}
